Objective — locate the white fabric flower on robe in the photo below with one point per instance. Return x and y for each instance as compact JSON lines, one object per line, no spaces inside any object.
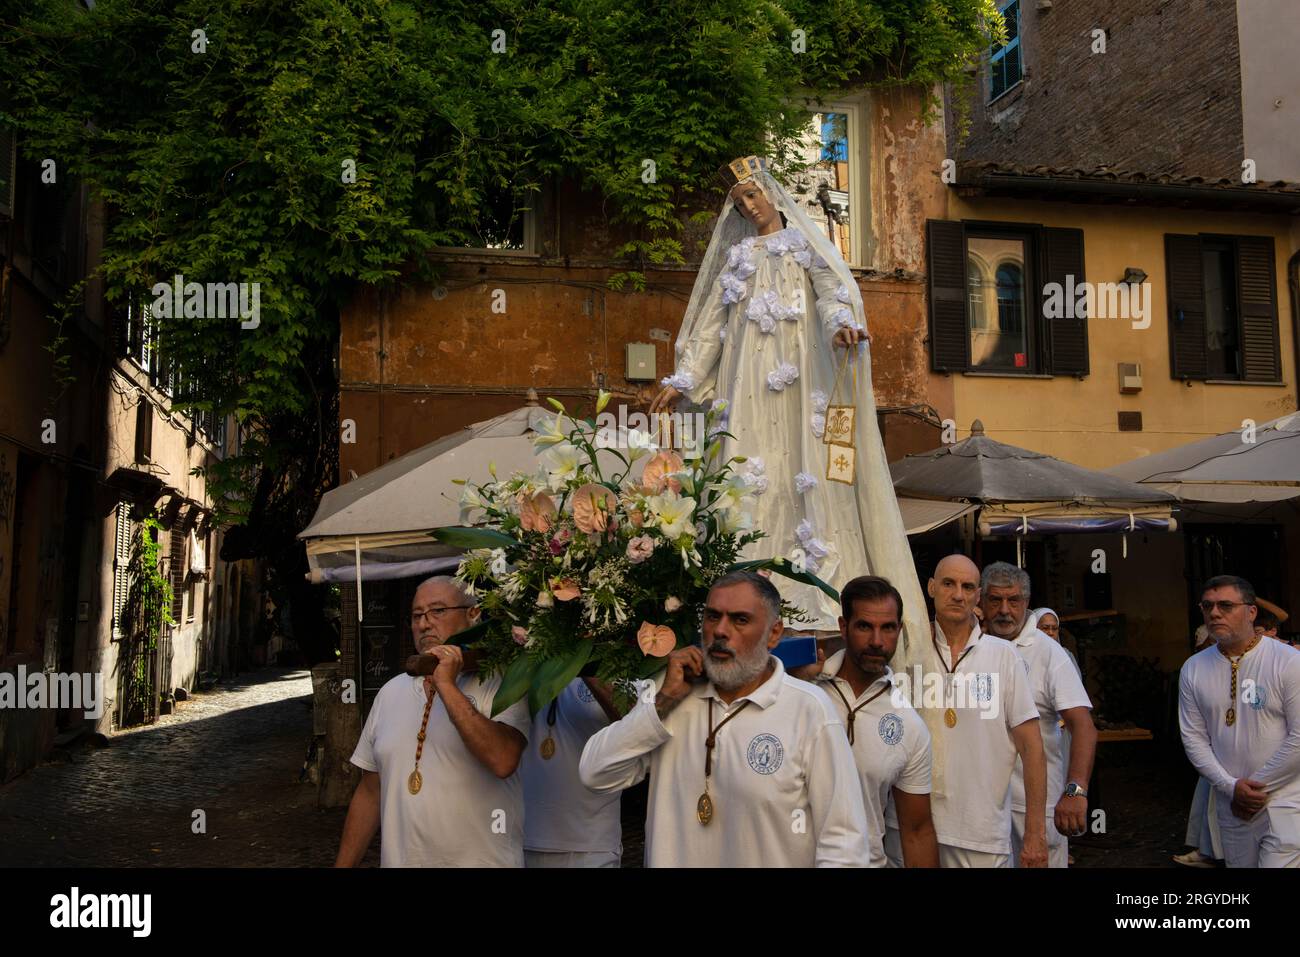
{"x":759,"y":312}
{"x":734,"y":288}
{"x":814,"y":549}
{"x":804,"y":481}
{"x":755,"y":476}
{"x":783,"y":375}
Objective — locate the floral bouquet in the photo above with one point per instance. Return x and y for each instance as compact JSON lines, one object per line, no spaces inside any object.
{"x":583,"y":572}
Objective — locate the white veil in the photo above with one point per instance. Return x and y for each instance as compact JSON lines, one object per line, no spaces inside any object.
{"x":732,"y":227}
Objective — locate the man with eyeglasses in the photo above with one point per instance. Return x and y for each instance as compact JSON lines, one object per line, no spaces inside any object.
{"x":1239,"y":708}
{"x":1059,"y":695}
{"x":438,"y":771}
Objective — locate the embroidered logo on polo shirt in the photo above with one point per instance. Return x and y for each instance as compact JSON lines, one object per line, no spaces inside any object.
{"x":984,"y":686}
{"x":891,"y":729}
{"x":765,"y":753}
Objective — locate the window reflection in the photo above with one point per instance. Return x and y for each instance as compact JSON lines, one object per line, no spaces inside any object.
{"x":824,"y":187}
{"x":999,"y":335}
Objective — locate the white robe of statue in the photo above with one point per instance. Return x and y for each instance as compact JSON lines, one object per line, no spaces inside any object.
{"x":762,"y":342}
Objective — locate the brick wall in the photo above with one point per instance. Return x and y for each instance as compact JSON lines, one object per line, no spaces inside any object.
{"x":1165,"y":97}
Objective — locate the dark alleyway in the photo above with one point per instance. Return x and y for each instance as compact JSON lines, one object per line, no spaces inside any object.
{"x":234,"y":753}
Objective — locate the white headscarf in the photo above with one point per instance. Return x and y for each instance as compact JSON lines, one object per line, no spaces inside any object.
{"x":1037,"y":615}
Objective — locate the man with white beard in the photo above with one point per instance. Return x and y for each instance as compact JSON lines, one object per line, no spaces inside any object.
{"x":749,"y":767}
{"x":1059,"y":695}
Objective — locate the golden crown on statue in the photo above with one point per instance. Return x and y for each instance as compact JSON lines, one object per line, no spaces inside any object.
{"x":741,"y":170}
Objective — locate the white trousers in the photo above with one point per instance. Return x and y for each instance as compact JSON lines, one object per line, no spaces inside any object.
{"x":950,"y":856}
{"x":1270,"y":839}
{"x":1058,"y":848}
{"x":572,"y":859}
{"x":1203,"y":822}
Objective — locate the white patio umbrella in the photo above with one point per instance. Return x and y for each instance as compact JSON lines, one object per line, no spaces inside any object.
{"x":378,"y":526}
{"x":1245,"y":465}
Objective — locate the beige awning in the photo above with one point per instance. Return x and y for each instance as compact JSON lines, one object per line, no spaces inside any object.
{"x":922,"y":515}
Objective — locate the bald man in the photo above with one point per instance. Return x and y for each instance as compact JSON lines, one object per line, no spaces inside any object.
{"x":974,"y":696}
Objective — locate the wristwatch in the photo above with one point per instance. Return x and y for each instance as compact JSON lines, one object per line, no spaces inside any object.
{"x":1073,"y":790}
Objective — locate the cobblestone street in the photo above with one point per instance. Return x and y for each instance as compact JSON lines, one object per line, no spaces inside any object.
{"x":234,"y":752}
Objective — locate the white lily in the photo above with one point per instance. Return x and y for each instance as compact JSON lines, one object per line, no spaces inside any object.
{"x":733,"y":521}
{"x":562,"y":463}
{"x":732,"y":492}
{"x":675,"y":514}
{"x":638,"y":444}
{"x":551,"y":433}
{"x":470,"y":501}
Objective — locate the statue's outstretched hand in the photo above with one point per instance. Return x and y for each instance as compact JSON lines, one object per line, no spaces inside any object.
{"x":665,"y":401}
{"x":849,"y":336}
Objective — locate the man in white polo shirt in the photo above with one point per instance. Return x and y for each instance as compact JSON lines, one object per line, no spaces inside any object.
{"x":1239,"y":708}
{"x":567,"y":824}
{"x":1059,"y":696}
{"x":890,"y":743}
{"x":749,"y":768}
{"x":438,"y":772}
{"x":974,"y":696}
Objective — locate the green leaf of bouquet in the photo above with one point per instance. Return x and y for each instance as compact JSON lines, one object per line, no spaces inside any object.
{"x":470,"y":635}
{"x":782,"y":567}
{"x":649,"y":667}
{"x":459,"y":536}
{"x":554,"y":673}
{"x":515,"y":682}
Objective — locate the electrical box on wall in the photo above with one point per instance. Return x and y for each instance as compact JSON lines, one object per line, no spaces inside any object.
{"x":1130,"y":377}
{"x":640,"y":362}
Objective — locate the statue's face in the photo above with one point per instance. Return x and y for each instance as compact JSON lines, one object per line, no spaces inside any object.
{"x":753,"y":204}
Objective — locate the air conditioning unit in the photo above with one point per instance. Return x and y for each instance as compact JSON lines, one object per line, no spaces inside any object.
{"x":1130,"y":377}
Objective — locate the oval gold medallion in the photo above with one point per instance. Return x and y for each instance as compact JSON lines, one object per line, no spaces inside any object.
{"x":950,"y":717}
{"x":414,"y":782}
{"x":548,"y":748}
{"x":704,"y":808}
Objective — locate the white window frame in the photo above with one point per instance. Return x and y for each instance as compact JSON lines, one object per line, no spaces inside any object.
{"x":854,"y":108}
{"x":1002,"y":51}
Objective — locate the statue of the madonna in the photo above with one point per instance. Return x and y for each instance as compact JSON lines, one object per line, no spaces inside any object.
{"x":773,"y":311}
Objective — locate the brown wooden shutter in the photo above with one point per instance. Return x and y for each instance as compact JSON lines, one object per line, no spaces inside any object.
{"x":1067,"y":339}
{"x":1186,"y":295}
{"x":946,"y":261}
{"x":1260,"y":353}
